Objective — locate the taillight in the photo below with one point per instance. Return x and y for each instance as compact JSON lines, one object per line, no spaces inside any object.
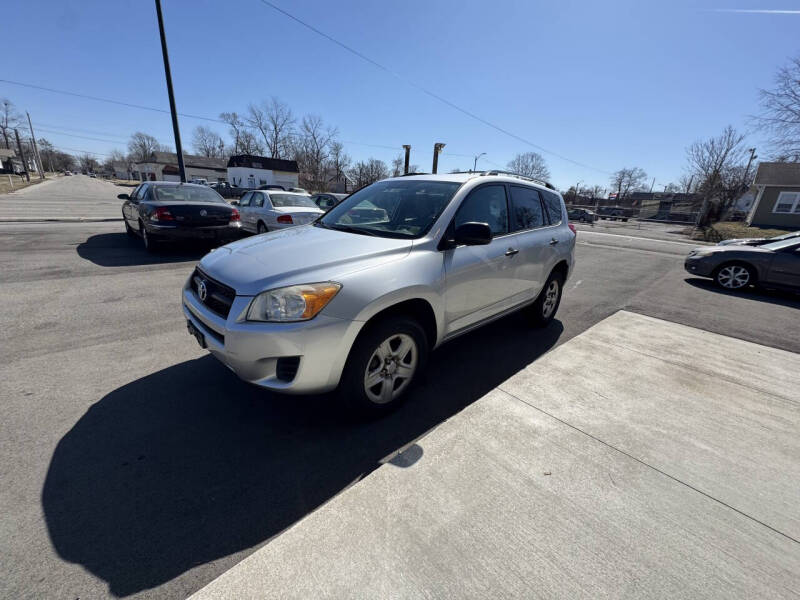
{"x":235,"y":215}
{"x":572,"y":228}
{"x":285,"y":219}
{"x":162,"y":214}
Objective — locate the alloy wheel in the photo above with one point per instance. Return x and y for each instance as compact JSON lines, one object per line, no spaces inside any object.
{"x":550,"y":299}
{"x":733,"y":277}
{"x":391,"y":368}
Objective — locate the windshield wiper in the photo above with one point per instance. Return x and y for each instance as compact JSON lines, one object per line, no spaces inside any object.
{"x":348,"y":229}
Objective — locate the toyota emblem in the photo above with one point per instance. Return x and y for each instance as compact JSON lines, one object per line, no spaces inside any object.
{"x":203,"y":212}
{"x":202,"y":291}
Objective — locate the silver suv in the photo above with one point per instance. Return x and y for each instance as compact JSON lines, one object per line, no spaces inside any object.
{"x":358,"y":298}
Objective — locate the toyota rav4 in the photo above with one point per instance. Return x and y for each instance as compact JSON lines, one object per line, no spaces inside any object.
{"x":357,"y":299}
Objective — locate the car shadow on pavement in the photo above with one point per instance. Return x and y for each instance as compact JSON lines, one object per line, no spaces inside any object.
{"x":122,"y":250}
{"x":779,"y":297}
{"x":190,"y":465}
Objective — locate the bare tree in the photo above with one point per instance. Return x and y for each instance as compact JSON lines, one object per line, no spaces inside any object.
{"x":9,"y":118}
{"x":530,"y":164}
{"x":275,"y":121}
{"x":142,"y":145}
{"x":780,"y":116}
{"x":627,"y":180}
{"x":207,"y":142}
{"x":370,"y":171}
{"x":244,"y":140}
{"x":88,"y":163}
{"x":338,"y":162}
{"x":399,"y":162}
{"x":312,"y":150}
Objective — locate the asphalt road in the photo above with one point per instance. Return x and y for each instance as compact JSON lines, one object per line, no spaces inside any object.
{"x":134,"y":464}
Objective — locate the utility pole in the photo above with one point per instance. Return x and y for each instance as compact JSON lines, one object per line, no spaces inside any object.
{"x":38,"y":158}
{"x":437,"y":148}
{"x":407,"y":148}
{"x":749,"y":162}
{"x":22,"y":156}
{"x":168,"y":75}
{"x":475,"y":162}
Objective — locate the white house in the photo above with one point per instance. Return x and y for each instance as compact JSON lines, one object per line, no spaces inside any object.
{"x":248,"y":171}
{"x":163,"y":166}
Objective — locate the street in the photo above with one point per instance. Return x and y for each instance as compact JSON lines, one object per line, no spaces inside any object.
{"x":135,"y":464}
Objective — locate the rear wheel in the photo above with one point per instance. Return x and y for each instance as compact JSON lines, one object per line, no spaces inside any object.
{"x":734,"y":276}
{"x":261,"y":227}
{"x":544,"y":309}
{"x":149,"y":243}
{"x":384,"y":363}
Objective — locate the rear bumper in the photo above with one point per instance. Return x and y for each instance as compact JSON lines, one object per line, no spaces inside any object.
{"x":253,"y":350}
{"x":176,"y":233}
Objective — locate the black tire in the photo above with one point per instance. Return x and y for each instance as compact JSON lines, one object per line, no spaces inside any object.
{"x":543,"y":310}
{"x":149,"y":244}
{"x":735,"y":276}
{"x":353,"y":390}
{"x":625,"y":220}
{"x":583,"y":219}
{"x":261,"y":228}
{"x":128,"y":229}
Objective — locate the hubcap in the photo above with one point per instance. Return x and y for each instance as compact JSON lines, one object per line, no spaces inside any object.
{"x":733,"y":277}
{"x":390,"y":368}
{"x":550,"y":299}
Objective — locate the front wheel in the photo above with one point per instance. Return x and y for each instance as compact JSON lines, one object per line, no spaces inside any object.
{"x":384,"y":363}
{"x":128,"y":229}
{"x":544,"y":309}
{"x":734,"y":276}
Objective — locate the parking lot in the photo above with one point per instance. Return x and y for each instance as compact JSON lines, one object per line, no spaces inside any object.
{"x":135,"y":464}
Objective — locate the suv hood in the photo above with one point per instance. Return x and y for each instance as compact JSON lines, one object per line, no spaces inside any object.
{"x":297,"y":255}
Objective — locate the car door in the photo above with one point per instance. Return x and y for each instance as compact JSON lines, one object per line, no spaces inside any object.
{"x":784,"y":269}
{"x":478,"y":278}
{"x":245,"y":213}
{"x":128,"y":207}
{"x":261,"y":207}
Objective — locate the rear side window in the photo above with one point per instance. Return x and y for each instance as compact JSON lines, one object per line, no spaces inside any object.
{"x":553,"y":204}
{"x":258,"y":200}
{"x":527,"y":211}
{"x":245,"y":200}
{"x":487,"y":204}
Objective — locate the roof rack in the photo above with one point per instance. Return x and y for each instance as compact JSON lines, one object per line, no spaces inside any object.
{"x":518,"y":176}
{"x":410,"y":174}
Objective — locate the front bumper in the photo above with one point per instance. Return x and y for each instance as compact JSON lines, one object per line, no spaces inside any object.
{"x":252,"y":350}
{"x":698,"y":265}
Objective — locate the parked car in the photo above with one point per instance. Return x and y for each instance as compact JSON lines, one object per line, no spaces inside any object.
{"x":759,"y":241}
{"x":93,"y":176}
{"x":167,"y":211}
{"x":268,"y":210}
{"x":298,"y":190}
{"x":200,"y":181}
{"x":328,"y":200}
{"x":226,"y":190}
{"x":359,"y":306}
{"x":735,"y":267}
{"x":584,"y":215}
{"x":67,"y":172}
{"x":613,"y":213}
{"x":271,"y":186}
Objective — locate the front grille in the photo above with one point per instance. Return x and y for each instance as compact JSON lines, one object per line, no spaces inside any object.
{"x":287,"y":368}
{"x":219,"y":297}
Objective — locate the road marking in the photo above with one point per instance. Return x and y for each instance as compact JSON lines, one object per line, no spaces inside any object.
{"x":577,"y":283}
{"x":633,"y":237}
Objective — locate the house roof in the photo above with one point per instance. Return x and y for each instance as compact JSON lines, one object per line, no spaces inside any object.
{"x":263,"y":162}
{"x":778,"y":173}
{"x":190,"y":160}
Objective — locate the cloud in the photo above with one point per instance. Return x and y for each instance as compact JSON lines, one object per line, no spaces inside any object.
{"x":757,"y":11}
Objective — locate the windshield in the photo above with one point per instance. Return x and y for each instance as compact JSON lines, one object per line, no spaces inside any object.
{"x":782,"y":244}
{"x":284,"y":200}
{"x":392,"y":208}
{"x":185,"y":193}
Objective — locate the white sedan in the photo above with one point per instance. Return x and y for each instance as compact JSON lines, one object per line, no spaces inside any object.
{"x":267,"y":210}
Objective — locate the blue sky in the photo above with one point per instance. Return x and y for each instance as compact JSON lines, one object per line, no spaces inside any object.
{"x":606,"y":84}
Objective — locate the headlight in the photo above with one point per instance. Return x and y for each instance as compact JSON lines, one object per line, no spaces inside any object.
{"x":293,"y":303}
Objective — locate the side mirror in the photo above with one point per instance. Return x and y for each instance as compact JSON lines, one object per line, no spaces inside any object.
{"x":473,"y":234}
{"x":123,"y":196}
{"x":234,"y":203}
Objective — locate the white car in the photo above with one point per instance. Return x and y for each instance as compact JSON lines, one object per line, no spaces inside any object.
{"x":268,"y":210}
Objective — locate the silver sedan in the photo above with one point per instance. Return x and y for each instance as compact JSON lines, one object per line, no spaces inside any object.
{"x":269,"y":210}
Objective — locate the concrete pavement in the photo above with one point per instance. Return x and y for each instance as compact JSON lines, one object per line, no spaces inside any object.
{"x":134,"y":465}
{"x":74,"y":198}
{"x":641,"y":459}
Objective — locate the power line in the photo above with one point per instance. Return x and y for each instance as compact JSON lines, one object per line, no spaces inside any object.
{"x":426,"y":91}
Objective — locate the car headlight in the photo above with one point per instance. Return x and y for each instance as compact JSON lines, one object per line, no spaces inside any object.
{"x":293,"y":303}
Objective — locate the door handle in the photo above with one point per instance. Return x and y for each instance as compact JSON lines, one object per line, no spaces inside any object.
{"x":553,"y":241}
{"x":512,"y":252}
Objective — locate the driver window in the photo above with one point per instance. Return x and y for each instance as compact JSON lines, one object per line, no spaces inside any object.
{"x":258,"y":200}
{"x":245,"y":200}
{"x":487,"y":204}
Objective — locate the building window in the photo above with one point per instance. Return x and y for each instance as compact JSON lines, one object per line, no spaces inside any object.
{"x":787,"y":203}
